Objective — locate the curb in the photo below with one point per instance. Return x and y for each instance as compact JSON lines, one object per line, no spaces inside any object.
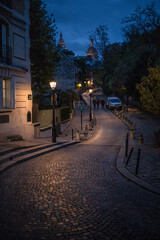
{"x":122,"y":170}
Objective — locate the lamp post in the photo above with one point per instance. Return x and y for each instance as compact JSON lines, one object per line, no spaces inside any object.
{"x":53,"y":85}
{"x":90,"y":110}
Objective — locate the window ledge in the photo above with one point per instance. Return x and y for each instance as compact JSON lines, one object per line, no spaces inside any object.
{"x":13,"y":67}
{"x":5,"y":110}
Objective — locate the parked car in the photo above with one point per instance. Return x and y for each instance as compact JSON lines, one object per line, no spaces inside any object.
{"x":113,"y":102}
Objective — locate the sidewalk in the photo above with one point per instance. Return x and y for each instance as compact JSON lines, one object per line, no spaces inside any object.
{"x":148,"y":174}
{"x":76,"y":122}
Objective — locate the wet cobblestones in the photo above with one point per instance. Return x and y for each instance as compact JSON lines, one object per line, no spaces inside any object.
{"x":75,"y":193}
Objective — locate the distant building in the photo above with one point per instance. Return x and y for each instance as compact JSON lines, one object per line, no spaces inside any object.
{"x":67,"y":69}
{"x":94,"y":65}
{"x":93,"y":70}
{"x":15,"y":77}
{"x":92,"y":51}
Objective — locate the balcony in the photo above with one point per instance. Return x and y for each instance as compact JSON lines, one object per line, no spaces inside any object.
{"x":5,"y":54}
{"x":7,"y":3}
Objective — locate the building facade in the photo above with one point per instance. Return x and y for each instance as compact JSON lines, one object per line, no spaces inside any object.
{"x":67,"y":69}
{"x":94,"y":66}
{"x":15,"y":77}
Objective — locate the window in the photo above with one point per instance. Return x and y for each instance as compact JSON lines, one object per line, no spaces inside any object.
{"x":6,"y":92}
{"x":5,"y":50}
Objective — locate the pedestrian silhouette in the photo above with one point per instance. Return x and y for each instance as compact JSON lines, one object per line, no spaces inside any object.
{"x":102,"y":103}
{"x":98,"y":102}
{"x":94,"y":103}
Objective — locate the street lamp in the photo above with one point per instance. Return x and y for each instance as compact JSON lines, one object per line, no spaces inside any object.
{"x":53,"y":85}
{"x":90,"y":110}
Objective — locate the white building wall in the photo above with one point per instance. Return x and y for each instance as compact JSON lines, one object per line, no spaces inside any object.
{"x":19,"y":74}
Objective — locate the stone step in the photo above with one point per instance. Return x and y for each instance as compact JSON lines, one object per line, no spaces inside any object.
{"x":31,"y":155}
{"x":13,"y":149}
{"x":23,"y":151}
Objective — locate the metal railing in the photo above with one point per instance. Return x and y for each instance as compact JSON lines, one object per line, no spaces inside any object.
{"x":7,"y":3}
{"x":5,"y":54}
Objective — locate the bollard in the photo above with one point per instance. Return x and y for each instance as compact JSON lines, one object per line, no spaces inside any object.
{"x":77,"y":135}
{"x":156,"y":139}
{"x":92,"y":116}
{"x":129,"y":156}
{"x":126,"y":151}
{"x":141,"y":139}
{"x":131,"y":135}
{"x":86,"y":128}
{"x":138,"y":159}
{"x":131,"y":124}
{"x":72,"y":134}
{"x":132,"y":127}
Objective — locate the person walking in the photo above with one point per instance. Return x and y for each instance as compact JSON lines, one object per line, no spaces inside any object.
{"x":94,"y":103}
{"x":98,"y":102}
{"x":102,"y":103}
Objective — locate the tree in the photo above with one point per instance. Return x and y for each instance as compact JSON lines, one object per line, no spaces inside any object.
{"x":113,"y":55}
{"x":100,"y":37}
{"x":43,"y":51}
{"x":142,"y":21}
{"x":141,"y":47}
{"x":81,"y":61}
{"x":149,"y":90}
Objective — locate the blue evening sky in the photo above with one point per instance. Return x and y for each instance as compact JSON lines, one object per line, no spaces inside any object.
{"x":77,"y":18}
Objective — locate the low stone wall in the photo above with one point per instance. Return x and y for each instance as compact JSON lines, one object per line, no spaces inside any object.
{"x":64,"y":125}
{"x":45,"y":132}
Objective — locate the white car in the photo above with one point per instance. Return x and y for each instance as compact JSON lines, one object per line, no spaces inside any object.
{"x":113,"y":102}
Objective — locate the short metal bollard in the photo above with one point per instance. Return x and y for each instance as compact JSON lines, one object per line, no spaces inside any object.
{"x":72,"y":134}
{"x":138,"y":159}
{"x":129,"y":156}
{"x":126,"y":147}
{"x":156,"y":139}
{"x":141,"y":139}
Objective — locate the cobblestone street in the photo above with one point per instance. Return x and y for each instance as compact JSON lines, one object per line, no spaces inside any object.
{"x":76,"y":193}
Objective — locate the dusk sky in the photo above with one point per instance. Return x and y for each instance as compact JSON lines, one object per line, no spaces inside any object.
{"x":77,"y":18}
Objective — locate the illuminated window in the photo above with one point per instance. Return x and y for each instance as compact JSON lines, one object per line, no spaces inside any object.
{"x":6,"y":93}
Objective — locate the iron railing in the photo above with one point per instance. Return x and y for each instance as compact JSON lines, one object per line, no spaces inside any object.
{"x":7,"y":3}
{"x":5,"y":54}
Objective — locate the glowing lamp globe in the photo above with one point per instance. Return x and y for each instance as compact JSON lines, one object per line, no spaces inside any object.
{"x":53,"y":84}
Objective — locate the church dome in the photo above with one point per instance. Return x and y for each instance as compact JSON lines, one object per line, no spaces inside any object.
{"x":92,"y":51}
